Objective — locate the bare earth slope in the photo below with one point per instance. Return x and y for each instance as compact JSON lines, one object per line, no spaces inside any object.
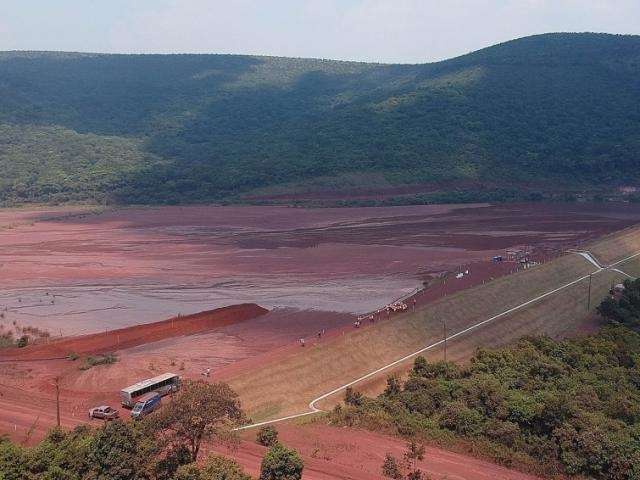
{"x":548,"y":299}
{"x":351,"y":454}
{"x":258,"y":354}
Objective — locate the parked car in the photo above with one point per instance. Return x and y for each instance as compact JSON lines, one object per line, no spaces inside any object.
{"x":146,"y":404}
{"x":104,"y":412}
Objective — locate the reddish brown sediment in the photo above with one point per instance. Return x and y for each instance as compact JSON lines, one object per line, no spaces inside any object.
{"x":314,"y":255}
{"x":175,"y":244}
{"x":205,"y":340}
{"x":84,"y":273}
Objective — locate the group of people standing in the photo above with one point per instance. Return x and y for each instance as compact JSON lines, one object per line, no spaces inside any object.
{"x":371,"y":317}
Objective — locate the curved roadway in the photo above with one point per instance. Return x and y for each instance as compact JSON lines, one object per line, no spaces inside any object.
{"x":313,"y":404}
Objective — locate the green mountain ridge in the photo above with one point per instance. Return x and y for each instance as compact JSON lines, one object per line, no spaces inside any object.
{"x":552,"y":112}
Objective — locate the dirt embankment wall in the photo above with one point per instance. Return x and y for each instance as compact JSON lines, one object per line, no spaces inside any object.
{"x":137,"y":335}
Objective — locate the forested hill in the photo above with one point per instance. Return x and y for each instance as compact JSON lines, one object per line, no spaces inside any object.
{"x":547,"y":113}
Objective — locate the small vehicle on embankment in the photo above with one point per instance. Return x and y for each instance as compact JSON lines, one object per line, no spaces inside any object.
{"x":104,"y":412}
{"x":146,"y":404}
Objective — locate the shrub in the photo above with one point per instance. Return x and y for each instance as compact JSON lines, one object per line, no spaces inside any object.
{"x":504,"y":432}
{"x":22,"y":342}
{"x":352,"y":397}
{"x":440,"y":369}
{"x":176,"y":456}
{"x":461,"y":419}
{"x":107,"y":359}
{"x":121,"y":450}
{"x":522,"y":408}
{"x":13,"y":461}
{"x":267,"y":436}
{"x":393,"y":386}
{"x":215,"y":468}
{"x":570,"y":405}
{"x":391,"y":468}
{"x":625,"y":309}
{"x":408,"y":468}
{"x":188,"y":472}
{"x":6,"y":340}
{"x":221,"y":468}
{"x":281,"y":463}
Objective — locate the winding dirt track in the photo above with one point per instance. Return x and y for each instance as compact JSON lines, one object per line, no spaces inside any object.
{"x":332,"y":453}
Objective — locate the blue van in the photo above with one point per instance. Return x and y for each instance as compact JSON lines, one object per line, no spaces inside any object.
{"x":146,"y":404}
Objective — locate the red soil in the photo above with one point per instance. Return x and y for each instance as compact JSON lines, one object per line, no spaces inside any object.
{"x":207,"y":340}
{"x":175,"y":244}
{"x":14,"y":217}
{"x":351,"y":454}
{"x":83,"y":273}
{"x":129,"y":337}
{"x":329,"y":453}
{"x":479,"y":273}
{"x":179,"y":247}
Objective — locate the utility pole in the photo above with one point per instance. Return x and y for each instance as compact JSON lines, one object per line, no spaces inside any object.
{"x":444,"y":329}
{"x":589,"y":294}
{"x":57,"y":383}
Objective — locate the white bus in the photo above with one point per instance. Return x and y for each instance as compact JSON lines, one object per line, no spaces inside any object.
{"x":163,"y":384}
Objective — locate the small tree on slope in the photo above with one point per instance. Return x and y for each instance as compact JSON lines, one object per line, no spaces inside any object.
{"x":281,"y":463}
{"x":409,"y":470}
{"x":202,"y":411}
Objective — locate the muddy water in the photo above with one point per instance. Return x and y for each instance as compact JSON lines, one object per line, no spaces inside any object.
{"x":70,"y":272}
{"x":75,"y":309}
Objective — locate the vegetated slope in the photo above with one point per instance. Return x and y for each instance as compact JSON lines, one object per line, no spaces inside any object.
{"x":288,"y":383}
{"x":542,"y":111}
{"x":573,"y":406}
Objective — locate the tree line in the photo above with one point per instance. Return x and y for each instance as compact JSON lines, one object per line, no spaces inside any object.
{"x":553,"y":407}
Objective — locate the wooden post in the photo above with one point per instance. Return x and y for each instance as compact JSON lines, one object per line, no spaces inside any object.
{"x":589,"y":294}
{"x":57,"y":382}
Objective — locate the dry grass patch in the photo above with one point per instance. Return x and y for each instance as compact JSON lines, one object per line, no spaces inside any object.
{"x":615,"y":247}
{"x":291,"y":383}
{"x":631,"y":267}
{"x":294,"y":381}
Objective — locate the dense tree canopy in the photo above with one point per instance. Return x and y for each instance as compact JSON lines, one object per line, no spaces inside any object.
{"x":573,"y":405}
{"x":201,"y":411}
{"x":547,"y":112}
{"x":281,"y":463}
{"x":623,"y":307}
